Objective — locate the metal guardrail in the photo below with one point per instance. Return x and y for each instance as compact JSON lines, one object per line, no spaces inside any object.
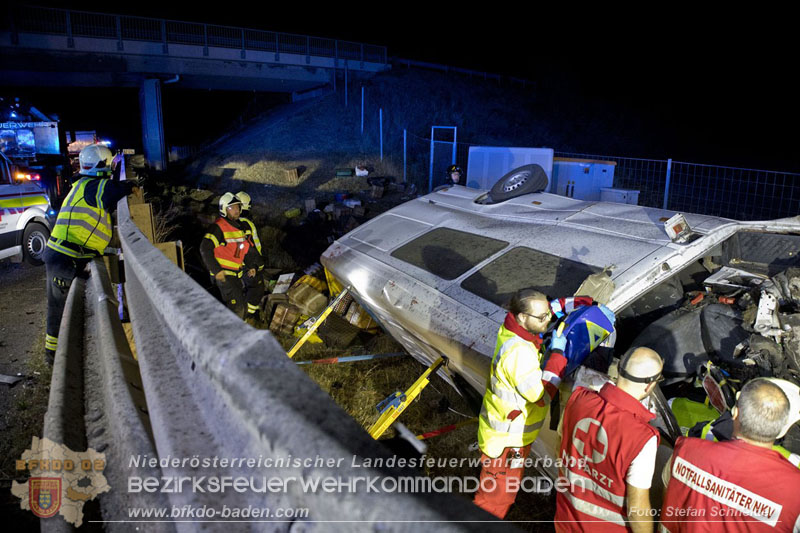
{"x":71,"y":23}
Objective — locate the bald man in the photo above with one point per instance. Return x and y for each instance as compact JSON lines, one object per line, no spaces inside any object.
{"x":740,"y":484}
{"x":608,"y":448}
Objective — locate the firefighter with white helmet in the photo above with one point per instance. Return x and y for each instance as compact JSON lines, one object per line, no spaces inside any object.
{"x":82,"y":231}
{"x":232,"y":259}
{"x":253,"y":296}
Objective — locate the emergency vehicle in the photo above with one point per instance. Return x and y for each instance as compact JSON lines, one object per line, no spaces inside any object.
{"x":25,"y":215}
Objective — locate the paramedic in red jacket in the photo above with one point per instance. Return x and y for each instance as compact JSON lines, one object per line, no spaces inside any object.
{"x":740,"y":484}
{"x":608,"y":448}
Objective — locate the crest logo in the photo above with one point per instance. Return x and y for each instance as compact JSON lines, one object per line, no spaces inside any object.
{"x":45,"y":496}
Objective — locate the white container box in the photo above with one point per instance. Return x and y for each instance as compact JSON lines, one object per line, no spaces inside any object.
{"x":620,"y":196}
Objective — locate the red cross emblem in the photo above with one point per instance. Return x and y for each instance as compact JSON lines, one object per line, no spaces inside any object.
{"x":590,"y":440}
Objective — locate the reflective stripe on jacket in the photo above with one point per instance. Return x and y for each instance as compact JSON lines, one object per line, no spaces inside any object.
{"x":81,"y":224}
{"x":250,"y":231}
{"x":734,"y":485}
{"x":603,"y":433}
{"x":513,"y":411}
{"x":231,"y":251}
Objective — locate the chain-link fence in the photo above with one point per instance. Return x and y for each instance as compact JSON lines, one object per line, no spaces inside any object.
{"x":739,"y":193}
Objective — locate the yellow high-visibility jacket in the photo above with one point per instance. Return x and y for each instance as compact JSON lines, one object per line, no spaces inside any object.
{"x":515,"y":404}
{"x":82,"y":230}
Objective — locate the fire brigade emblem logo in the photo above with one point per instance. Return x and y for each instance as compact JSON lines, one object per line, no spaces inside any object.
{"x":45,"y":495}
{"x":590,"y":440}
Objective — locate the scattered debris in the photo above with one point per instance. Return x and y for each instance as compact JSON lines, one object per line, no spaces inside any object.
{"x":10,"y":380}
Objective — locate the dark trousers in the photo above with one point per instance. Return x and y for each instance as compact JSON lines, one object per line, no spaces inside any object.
{"x":242,"y":295}
{"x":61,"y":270}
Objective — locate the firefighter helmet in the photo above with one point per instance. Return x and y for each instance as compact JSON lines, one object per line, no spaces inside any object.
{"x":245,"y":199}
{"x":225,"y":201}
{"x":95,"y":160}
{"x":454,"y":168}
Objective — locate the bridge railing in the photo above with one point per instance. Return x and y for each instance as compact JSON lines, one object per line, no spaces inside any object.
{"x":71,"y":23}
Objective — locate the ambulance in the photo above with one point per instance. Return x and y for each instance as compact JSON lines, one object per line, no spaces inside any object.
{"x":26,"y":216}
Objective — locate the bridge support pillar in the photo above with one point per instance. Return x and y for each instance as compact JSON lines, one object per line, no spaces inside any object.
{"x":152,"y":124}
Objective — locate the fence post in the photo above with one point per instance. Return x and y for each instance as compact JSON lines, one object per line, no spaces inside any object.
{"x":205,"y":39}
{"x":243,"y":54}
{"x":380,"y":126}
{"x":164,"y":46}
{"x":119,"y":32}
{"x":455,"y":143}
{"x":70,"y":40}
{"x":12,"y":21}
{"x":430,"y":172}
{"x":405,"y":137}
{"x":666,"y":185}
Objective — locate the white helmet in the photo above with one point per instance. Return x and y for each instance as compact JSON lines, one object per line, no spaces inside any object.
{"x":95,"y":160}
{"x":225,"y":201}
{"x":244,"y":198}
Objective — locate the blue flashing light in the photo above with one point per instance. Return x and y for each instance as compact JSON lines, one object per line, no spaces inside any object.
{"x":52,"y":212}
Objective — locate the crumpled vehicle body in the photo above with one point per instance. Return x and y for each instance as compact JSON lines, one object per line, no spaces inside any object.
{"x":436,"y":271}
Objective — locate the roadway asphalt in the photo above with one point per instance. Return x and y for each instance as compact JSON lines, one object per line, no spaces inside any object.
{"x":23,"y":308}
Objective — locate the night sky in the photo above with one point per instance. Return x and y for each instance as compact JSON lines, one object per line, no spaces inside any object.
{"x":712,"y":82}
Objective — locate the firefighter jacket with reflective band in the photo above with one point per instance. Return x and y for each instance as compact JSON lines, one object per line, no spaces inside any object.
{"x":83,"y":227}
{"x":251,"y":232}
{"x":747,"y":487}
{"x":518,"y":393}
{"x":230,"y":245}
{"x":603,"y":432}
{"x":716,"y":431}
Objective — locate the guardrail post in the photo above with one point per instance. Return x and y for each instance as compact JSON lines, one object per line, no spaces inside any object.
{"x":120,"y":46}
{"x":205,"y":40}
{"x":243,"y":54}
{"x":308,"y":50}
{"x":70,"y":40}
{"x":362,"y":56}
{"x":666,"y":185}
{"x":277,"y":48}
{"x":164,"y":46}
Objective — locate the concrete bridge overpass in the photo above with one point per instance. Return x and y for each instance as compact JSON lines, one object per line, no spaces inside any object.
{"x":64,"y":48}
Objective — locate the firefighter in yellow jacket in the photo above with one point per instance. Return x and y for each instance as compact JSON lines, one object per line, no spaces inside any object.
{"x":232,"y":259}
{"x":82,"y":231}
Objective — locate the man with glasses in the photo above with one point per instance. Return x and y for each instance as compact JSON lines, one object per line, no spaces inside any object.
{"x":518,"y":394}
{"x":609,"y":451}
